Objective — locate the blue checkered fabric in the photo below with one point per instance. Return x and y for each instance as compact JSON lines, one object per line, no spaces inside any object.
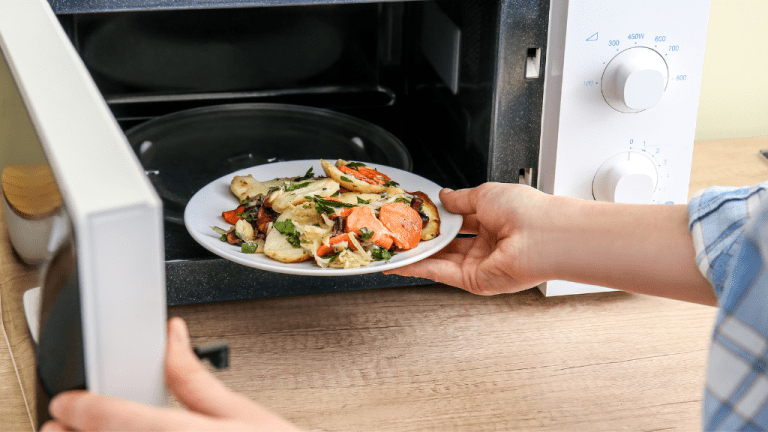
{"x":730,"y":234}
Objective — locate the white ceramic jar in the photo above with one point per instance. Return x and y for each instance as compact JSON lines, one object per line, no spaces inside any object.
{"x":32,"y":205}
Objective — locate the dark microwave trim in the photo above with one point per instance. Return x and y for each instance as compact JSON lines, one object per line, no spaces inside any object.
{"x":93,"y":6}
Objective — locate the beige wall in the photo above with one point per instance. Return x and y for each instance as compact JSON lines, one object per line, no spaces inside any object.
{"x":734,"y":92}
{"x":18,"y":141}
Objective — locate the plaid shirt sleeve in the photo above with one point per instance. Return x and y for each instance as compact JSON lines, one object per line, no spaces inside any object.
{"x":729,"y":227}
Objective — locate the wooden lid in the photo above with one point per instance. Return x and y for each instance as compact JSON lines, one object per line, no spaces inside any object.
{"x":31,"y":191}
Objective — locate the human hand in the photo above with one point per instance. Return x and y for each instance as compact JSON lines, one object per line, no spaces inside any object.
{"x":210,"y":404}
{"x":507,"y":219}
{"x":526,"y":237}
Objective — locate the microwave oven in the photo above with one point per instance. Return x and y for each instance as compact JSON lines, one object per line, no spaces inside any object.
{"x":594,"y":99}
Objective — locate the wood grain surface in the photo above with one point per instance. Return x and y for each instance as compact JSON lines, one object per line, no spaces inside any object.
{"x":13,"y":410}
{"x":437,"y":358}
{"x":15,"y":278}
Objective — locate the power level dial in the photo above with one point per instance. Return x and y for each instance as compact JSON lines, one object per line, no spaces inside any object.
{"x":628,"y":177}
{"x":635,"y":80}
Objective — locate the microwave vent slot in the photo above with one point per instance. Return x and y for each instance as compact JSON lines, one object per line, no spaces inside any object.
{"x":441,"y":44}
{"x":526,"y":176}
{"x":533,"y":63}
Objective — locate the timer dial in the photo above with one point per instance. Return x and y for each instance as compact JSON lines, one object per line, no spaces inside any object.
{"x":628,"y":177}
{"x":635,"y":80}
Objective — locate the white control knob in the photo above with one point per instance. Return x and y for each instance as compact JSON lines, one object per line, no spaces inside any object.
{"x":635,"y":80}
{"x":628,"y":177}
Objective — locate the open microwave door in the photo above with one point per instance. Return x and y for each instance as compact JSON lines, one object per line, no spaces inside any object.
{"x":116,"y":231}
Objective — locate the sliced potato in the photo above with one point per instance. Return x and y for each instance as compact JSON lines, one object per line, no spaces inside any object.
{"x":432,"y":229}
{"x":394,"y":190}
{"x":348,"y":181}
{"x":311,"y":225}
{"x":248,"y":188}
{"x":277,"y":247}
{"x":244,"y":230}
{"x":351,"y":197}
{"x":281,"y":201}
{"x":304,"y":216}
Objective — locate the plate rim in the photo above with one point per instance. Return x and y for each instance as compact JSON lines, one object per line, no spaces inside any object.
{"x":309,"y":268}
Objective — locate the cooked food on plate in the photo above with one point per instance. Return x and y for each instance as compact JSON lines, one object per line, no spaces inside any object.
{"x":351,"y":217}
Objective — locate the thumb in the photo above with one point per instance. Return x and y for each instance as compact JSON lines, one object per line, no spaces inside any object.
{"x":192,"y":384}
{"x":462,"y":201}
{"x":200,"y":391}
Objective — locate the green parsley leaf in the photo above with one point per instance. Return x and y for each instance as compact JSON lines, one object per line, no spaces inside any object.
{"x":355,"y":165}
{"x":306,"y":176}
{"x":381,"y":254}
{"x":392,"y":183}
{"x":336,"y":204}
{"x":346,"y":179}
{"x":248,"y":215}
{"x":326,"y":206}
{"x":321,"y":208}
{"x":403,"y":200}
{"x":249,"y":247}
{"x":362,"y":201}
{"x":223,"y":237}
{"x":285,"y":227}
{"x":293,"y":186}
{"x":289,"y":229}
{"x":366,"y":233}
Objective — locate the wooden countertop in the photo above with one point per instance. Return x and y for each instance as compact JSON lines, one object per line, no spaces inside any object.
{"x":437,"y":358}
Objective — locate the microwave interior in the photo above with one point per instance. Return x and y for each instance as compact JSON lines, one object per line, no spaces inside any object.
{"x":450,"y":80}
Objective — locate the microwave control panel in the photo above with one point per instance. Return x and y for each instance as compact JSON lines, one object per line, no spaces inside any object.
{"x":621,"y":97}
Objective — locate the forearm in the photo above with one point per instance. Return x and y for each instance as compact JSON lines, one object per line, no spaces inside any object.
{"x":645,"y":249}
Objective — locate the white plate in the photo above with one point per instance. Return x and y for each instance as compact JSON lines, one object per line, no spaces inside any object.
{"x":204,"y":211}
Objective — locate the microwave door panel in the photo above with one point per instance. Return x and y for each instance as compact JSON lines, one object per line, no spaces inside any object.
{"x":116,"y":216}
